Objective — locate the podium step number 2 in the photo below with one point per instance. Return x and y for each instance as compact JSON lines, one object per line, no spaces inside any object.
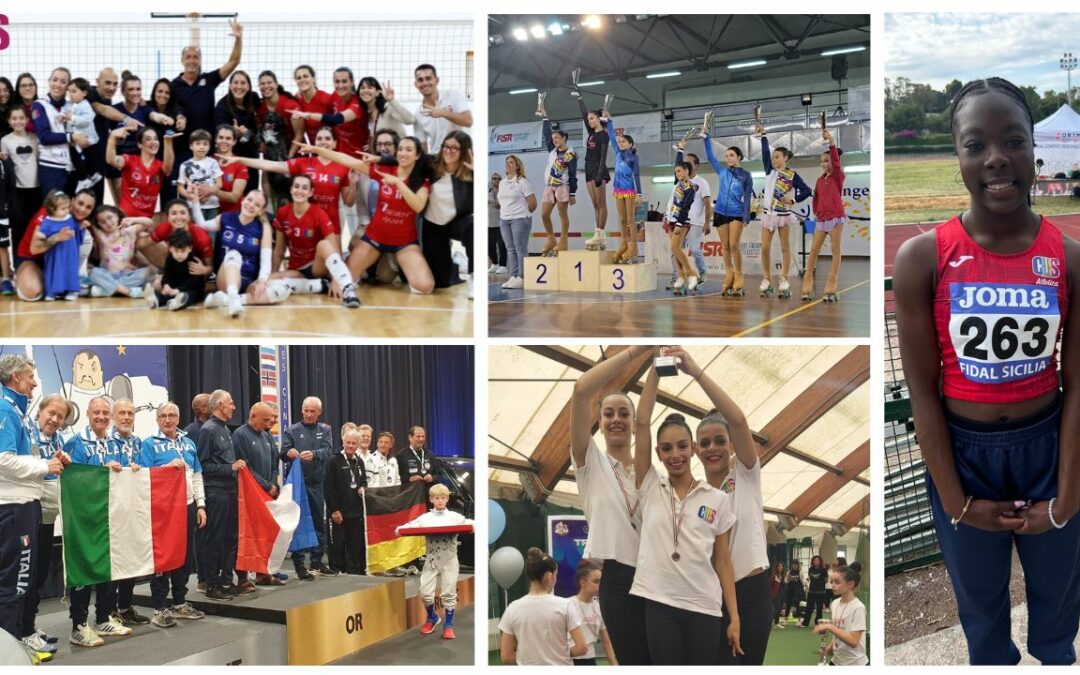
{"x":541,"y":273}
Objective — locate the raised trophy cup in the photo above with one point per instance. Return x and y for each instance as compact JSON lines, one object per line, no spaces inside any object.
{"x":666,"y":366}
{"x":821,"y":119}
{"x":540,"y":96}
{"x":575,"y":75}
{"x":707,"y":124}
{"x":608,"y":98}
{"x":757,"y":114}
{"x":687,"y":137}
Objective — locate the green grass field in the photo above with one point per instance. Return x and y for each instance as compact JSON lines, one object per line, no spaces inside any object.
{"x":926,"y":191}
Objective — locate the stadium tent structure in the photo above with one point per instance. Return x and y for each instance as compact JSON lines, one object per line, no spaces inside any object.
{"x":1057,"y":141}
{"x":809,"y":407}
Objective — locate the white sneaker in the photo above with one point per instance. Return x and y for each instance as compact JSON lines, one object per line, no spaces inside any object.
{"x":85,"y":636}
{"x":235,"y":306}
{"x":494,"y":269}
{"x":501,"y":270}
{"x":216,"y":299}
{"x":462,"y":262}
{"x":112,"y":628}
{"x":71,"y":296}
{"x":515,"y":282}
{"x":163,"y":618}
{"x":37,"y":644}
{"x":150,"y":296}
{"x":98,"y":292}
{"x":177,"y":302}
{"x":136,"y":292}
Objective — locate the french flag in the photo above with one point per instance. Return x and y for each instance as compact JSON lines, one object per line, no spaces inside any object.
{"x":266,"y":525}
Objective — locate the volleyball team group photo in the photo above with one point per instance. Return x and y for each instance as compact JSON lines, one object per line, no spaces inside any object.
{"x":265,"y":173}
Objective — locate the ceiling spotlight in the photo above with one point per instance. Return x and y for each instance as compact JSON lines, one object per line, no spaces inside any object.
{"x":667,"y":73}
{"x":592,"y":21}
{"x":747,"y":64}
{"x":555,"y":28}
{"x":844,"y":50}
{"x":530,"y":90}
{"x":521,"y":34}
{"x":538,"y":31}
{"x":496,"y":39}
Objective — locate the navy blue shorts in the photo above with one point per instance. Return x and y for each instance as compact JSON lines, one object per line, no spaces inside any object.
{"x":386,"y":248}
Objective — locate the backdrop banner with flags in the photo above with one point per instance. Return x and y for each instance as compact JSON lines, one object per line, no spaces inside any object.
{"x":266,"y":525}
{"x":122,"y":524}
{"x":386,"y":509}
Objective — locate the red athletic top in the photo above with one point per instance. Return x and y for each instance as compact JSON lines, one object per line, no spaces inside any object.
{"x":140,"y":186}
{"x":328,"y":179}
{"x":24,"y":244}
{"x":201,"y":245}
{"x":828,"y":200}
{"x":229,"y":175}
{"x":352,"y":137}
{"x":394,"y":222}
{"x":303,"y":233}
{"x":321,"y":103}
{"x":998,"y":317}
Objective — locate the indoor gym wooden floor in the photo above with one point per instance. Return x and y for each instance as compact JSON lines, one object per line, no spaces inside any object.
{"x":387,"y":312}
{"x":518,"y":313}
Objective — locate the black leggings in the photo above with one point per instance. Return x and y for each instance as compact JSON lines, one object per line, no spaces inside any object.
{"x":496,"y":247}
{"x":792,"y":596}
{"x":755,"y":622}
{"x":815,"y":602}
{"x":624,"y":614}
{"x":679,"y":637}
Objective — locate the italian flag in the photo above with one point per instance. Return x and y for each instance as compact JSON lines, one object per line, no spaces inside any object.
{"x":122,"y":524}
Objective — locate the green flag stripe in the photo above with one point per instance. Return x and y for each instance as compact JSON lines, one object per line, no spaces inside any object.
{"x":85,"y":506}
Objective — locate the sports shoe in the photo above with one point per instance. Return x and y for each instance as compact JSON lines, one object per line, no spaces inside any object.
{"x":185,"y":611}
{"x":245,"y":588}
{"x":131,"y":617}
{"x":324,"y":570}
{"x":514,"y":282}
{"x":136,"y":292}
{"x":150,"y":297}
{"x":51,"y":639}
{"x":112,"y":628}
{"x":98,"y":292}
{"x":85,"y":636}
{"x":216,"y":299}
{"x":493,"y":269}
{"x":501,"y":269}
{"x":231,"y":589}
{"x":280,"y":576}
{"x":176,"y":302}
{"x":163,"y":618}
{"x":303,"y":574}
{"x":6,"y":287}
{"x":71,"y":296}
{"x":50,"y":298}
{"x":36,"y":644}
{"x":412,"y":569}
{"x":201,"y":587}
{"x":398,"y":571}
{"x":217,"y":593}
{"x":267,"y":580}
{"x":691,"y":283}
{"x":349,"y":297}
{"x":36,"y":657}
{"x":235,"y":306}
{"x":448,"y":633}
{"x":429,"y":625}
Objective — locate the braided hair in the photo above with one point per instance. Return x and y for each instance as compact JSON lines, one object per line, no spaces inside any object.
{"x":986,"y":85}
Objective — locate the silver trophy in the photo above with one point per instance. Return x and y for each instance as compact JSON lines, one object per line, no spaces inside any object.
{"x":540,"y":97}
{"x":687,"y":137}
{"x":666,"y":366}
{"x":575,"y":75}
{"x":608,"y":98}
{"x":821,"y":119}
{"x":707,"y":124}
{"x":757,"y":113}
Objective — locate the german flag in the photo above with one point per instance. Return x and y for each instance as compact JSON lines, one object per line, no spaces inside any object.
{"x":387,"y":508}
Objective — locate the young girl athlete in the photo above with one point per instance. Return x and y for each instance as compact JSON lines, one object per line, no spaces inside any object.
{"x":848,"y":619}
{"x":596,"y":171}
{"x":978,"y":333}
{"x":534,"y":627}
{"x":678,"y":220}
{"x":783,"y":188}
{"x":731,"y":211}
{"x":829,"y":211}
{"x":684,"y":565}
{"x":627,"y":191}
{"x":606,"y":482}
{"x":588,"y":577}
{"x":727,"y":450}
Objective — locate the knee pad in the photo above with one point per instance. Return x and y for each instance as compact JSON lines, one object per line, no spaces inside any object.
{"x":232,"y":259}
{"x":277,"y":290}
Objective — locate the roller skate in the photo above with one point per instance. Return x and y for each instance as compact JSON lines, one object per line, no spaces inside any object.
{"x":549,"y":248}
{"x":680,"y":287}
{"x":807,"y":296}
{"x":619,"y":256}
{"x":785,"y":289}
{"x":563,"y":245}
{"x":765,"y":290}
{"x":830,"y":295}
{"x":701,"y":278}
{"x":691,"y":284}
{"x":597,"y":243}
{"x":737,"y":290}
{"x":727,"y":287}
{"x":630,"y":257}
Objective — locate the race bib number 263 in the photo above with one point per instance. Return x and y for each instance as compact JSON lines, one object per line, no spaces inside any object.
{"x":1003,"y":332}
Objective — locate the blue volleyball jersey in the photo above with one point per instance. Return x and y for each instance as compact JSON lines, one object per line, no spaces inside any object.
{"x":245,"y":239}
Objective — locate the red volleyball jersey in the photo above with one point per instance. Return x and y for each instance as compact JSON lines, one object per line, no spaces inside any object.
{"x":321,"y":103}
{"x":394,"y":222}
{"x":140,"y":186}
{"x":23,"y":251}
{"x":998,"y":317}
{"x":285,"y":107}
{"x":352,"y":137}
{"x":328,"y":181}
{"x":229,"y":175}
{"x":303,"y":233}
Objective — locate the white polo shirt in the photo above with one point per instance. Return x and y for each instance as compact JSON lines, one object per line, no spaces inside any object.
{"x":540,"y":624}
{"x":691,"y":582}
{"x":749,"y":550}
{"x":433,"y":130}
{"x":605,"y":487}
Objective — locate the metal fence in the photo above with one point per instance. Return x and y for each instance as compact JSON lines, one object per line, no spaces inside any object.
{"x":910,"y":540}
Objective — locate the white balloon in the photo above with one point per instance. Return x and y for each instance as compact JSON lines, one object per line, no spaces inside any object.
{"x":505,"y":566}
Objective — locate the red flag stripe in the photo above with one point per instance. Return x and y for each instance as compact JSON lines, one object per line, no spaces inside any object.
{"x":258,"y":529}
